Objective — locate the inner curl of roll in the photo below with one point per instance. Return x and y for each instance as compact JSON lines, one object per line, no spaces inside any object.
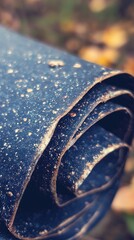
{"x":83,"y":157}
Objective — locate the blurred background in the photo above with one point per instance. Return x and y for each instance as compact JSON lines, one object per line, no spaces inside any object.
{"x":100,"y":31}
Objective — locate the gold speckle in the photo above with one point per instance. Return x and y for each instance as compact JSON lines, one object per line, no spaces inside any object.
{"x":79,"y":192}
{"x":43,"y":232}
{"x":101,"y":115}
{"x":56,"y":63}
{"x":72,"y":114}
{"x":77,"y":65}
{"x":29,"y":90}
{"x":10,"y":194}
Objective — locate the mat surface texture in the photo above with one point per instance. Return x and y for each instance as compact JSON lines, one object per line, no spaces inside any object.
{"x":66,"y":126}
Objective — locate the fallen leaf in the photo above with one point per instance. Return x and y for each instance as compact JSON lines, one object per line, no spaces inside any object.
{"x":98,"y":6}
{"x":67,"y":26}
{"x":73,"y":44}
{"x":115,"y":36}
{"x":129,"y":167}
{"x":124,"y":199}
{"x":8,"y":19}
{"x":106,"y":56}
{"x":128,"y":64}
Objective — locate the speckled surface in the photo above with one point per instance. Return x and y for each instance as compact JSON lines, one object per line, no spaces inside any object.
{"x":65,"y":130}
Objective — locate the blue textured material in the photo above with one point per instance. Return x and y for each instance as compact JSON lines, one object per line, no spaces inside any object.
{"x":65,"y":130}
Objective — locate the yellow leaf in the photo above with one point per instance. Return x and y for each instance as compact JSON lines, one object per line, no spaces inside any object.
{"x":67,"y":26}
{"x":114,"y":36}
{"x":98,"y":6}
{"x":100,"y":56}
{"x":129,"y":167}
{"x":124,"y":199}
{"x":128,"y":65}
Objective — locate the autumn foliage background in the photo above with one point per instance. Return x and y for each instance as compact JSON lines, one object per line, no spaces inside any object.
{"x":100,"y":31}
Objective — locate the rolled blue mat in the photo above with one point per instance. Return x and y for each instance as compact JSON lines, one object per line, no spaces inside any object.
{"x":66,"y":126}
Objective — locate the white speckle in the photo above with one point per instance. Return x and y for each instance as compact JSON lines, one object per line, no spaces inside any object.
{"x":14,"y":110}
{"x":17,"y":130}
{"x":9,"y":52}
{"x":30,"y":133}
{"x":54,"y":112}
{"x":24,"y":119}
{"x":35,"y":145}
{"x":10,"y":70}
{"x":56,"y":85}
{"x":105,"y":73}
{"x":5,"y":144}
{"x":59,"y":90}
{"x":38,"y":87}
{"x":39,"y":56}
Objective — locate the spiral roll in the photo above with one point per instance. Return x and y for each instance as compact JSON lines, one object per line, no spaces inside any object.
{"x":66,"y":126}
